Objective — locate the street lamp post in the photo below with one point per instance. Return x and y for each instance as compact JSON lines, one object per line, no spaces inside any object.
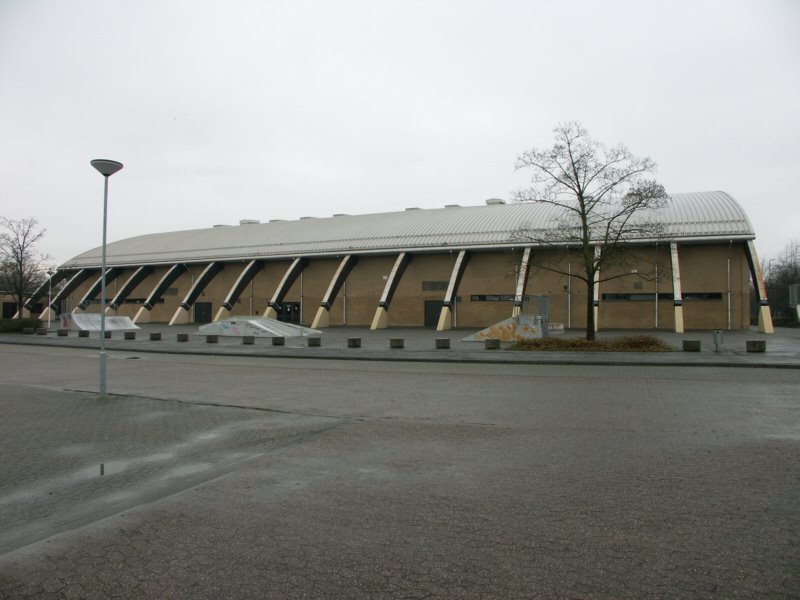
{"x":49,"y":296}
{"x":106,"y":168}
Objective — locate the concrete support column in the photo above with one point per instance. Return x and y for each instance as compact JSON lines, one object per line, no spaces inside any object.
{"x":322,"y":318}
{"x":291,"y":275}
{"x":677,"y":298}
{"x":245,"y":277}
{"x":522,"y":282}
{"x":127,"y":288}
{"x":764,"y":314}
{"x":381,"y":318}
{"x":143,"y":314}
{"x":451,"y":296}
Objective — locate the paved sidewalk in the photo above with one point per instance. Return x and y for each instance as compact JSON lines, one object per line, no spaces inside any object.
{"x":783,"y":347}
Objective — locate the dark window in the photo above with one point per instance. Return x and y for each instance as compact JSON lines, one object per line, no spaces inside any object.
{"x":635,"y":297}
{"x":434,"y":286}
{"x":493,"y":298}
{"x":702,"y":296}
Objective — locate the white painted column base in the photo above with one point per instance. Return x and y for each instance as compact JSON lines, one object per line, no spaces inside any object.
{"x":380,"y":320}
{"x":46,"y":313}
{"x":445,"y":319}
{"x":181,"y":317}
{"x":142,"y":315}
{"x":271,"y":313}
{"x":678,"y":319}
{"x":322,"y":319}
{"x":516,"y":311}
{"x":222,"y":313}
{"x":765,"y":320}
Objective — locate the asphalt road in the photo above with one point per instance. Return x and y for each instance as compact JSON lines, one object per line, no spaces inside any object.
{"x":231,"y":477}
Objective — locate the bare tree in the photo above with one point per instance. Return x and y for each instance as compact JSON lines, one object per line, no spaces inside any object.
{"x":603,"y":200}
{"x":22,"y":266}
{"x":781,"y":272}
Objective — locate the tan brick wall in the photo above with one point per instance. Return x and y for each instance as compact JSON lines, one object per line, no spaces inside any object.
{"x":704,"y":268}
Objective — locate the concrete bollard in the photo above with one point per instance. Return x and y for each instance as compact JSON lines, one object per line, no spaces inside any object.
{"x":130,"y":335}
{"x":442,"y":343}
{"x":691,"y":345}
{"x":212,"y":339}
{"x":491,"y":344}
{"x":248,"y":340}
{"x":83,"y":333}
{"x":278,"y":341}
{"x":314,"y":341}
{"x":183,"y":337}
{"x":397,"y":343}
{"x":155,"y":336}
{"x":354,"y":342}
{"x":63,"y":332}
{"x":756,"y":345}
{"x":41,"y":331}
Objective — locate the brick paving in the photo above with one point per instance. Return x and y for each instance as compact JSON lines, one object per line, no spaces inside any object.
{"x":228,"y":476}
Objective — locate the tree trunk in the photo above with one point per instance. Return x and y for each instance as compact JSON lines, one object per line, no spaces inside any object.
{"x":590,"y":329}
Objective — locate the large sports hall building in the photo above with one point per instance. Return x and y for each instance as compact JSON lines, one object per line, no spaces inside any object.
{"x":456,"y":266}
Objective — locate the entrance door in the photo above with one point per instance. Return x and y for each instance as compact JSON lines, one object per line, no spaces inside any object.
{"x":202,"y":312}
{"x":289,"y":312}
{"x":433,"y":308}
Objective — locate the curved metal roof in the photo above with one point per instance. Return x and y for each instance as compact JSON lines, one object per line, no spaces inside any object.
{"x":695,"y":216}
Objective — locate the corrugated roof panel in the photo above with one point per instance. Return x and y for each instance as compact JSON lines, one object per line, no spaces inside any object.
{"x":697,"y":215}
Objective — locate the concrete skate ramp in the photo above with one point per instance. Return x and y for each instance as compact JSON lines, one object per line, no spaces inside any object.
{"x":256,"y":326}
{"x":524,"y":327}
{"x":91,"y":322}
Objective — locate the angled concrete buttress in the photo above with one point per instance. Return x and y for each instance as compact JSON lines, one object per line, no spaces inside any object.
{"x":41,"y":291}
{"x":764,"y":314}
{"x":245,"y":277}
{"x":381,"y":318}
{"x":181,"y":315}
{"x":111,"y":274}
{"x":138,"y":276}
{"x":446,"y":316}
{"x":291,"y":275}
{"x":322,"y":318}
{"x":522,"y":281}
{"x":143,"y":315}
{"x":677,"y":297}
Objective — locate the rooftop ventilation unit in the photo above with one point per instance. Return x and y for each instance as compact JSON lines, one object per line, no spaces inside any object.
{"x":494,"y":201}
{"x":249,"y":222}
{"x":413,"y":208}
{"x":221,"y":225}
{"x":452,"y":206}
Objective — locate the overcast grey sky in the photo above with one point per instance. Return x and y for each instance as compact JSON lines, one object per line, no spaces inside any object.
{"x":222,"y":111}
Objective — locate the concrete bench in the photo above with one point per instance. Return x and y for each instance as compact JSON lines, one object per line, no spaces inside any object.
{"x":41,"y":331}
{"x":83,"y":333}
{"x":182,"y":337}
{"x":130,"y":335}
{"x":155,"y":336}
{"x":397,"y":343}
{"x":354,"y":342}
{"x":314,"y":342}
{"x":212,"y":339}
{"x":442,"y":343}
{"x":248,"y":340}
{"x":691,"y":345}
{"x":756,"y":345}
{"x":491,"y":344}
{"x":63,"y":332}
{"x":28,"y":330}
{"x":279,"y":341}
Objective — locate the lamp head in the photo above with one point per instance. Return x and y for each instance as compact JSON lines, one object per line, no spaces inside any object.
{"x":106,"y":167}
